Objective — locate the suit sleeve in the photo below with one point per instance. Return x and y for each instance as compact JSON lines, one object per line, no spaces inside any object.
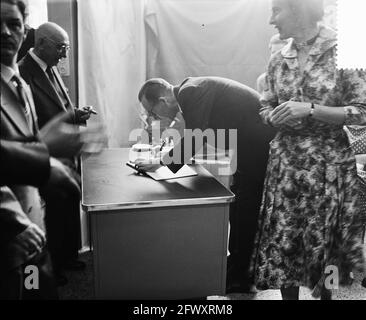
{"x":24,"y":163}
{"x":181,"y":154}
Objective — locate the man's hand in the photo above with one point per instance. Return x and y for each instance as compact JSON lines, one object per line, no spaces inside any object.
{"x":94,"y":138}
{"x":84,"y":113}
{"x":149,"y":165}
{"x":32,"y":239}
{"x":62,"y":139}
{"x":65,"y":140}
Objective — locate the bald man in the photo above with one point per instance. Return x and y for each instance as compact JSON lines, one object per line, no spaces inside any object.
{"x":39,"y":69}
{"x":218,"y":103}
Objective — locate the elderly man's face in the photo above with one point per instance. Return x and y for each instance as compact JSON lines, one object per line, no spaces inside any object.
{"x":55,"y":49}
{"x":12,"y":32}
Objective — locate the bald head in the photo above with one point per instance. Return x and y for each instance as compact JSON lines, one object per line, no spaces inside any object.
{"x":51,"y":43}
{"x":153,"y":89}
{"x":157,"y":97}
{"x":50,"y":30}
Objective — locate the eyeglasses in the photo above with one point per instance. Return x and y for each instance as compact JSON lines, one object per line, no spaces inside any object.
{"x":60,"y":46}
{"x":150,"y":111}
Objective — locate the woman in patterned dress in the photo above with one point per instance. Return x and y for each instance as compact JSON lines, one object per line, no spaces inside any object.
{"x":310,"y":214}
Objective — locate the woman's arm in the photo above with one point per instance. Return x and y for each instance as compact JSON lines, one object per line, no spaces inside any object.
{"x":293,"y":110}
{"x":353,"y":112}
{"x":268,"y":99}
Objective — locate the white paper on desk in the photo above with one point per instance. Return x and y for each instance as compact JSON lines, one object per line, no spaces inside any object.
{"x":163,"y":173}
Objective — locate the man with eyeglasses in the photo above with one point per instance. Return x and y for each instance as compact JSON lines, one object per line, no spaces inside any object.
{"x":160,"y":119}
{"x":219,"y":103}
{"x":39,"y":69}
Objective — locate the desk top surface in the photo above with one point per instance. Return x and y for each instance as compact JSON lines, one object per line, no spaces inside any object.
{"x":108,"y":184}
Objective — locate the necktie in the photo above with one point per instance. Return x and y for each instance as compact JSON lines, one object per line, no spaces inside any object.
{"x":51,"y":76}
{"x":56,"y":85}
{"x":23,"y":99}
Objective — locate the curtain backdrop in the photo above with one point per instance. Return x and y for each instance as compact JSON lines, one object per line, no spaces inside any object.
{"x":124,"y":42}
{"x":37,"y":12}
{"x":208,"y":37}
{"x":112,"y":63}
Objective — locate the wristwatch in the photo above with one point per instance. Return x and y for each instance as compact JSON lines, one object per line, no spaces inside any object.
{"x":312,"y":110}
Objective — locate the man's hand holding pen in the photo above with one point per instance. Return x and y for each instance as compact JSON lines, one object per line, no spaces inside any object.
{"x":90,"y":109}
{"x":149,"y":165}
{"x":154,"y":162}
{"x":84,"y":113}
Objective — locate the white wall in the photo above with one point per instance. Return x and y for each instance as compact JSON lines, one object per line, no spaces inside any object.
{"x":37,"y":12}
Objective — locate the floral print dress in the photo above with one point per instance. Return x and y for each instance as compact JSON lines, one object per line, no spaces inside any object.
{"x":310,"y":214}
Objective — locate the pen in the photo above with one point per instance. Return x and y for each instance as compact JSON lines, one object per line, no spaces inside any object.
{"x":134,"y":167}
{"x":91,"y":110}
{"x":162,"y":145}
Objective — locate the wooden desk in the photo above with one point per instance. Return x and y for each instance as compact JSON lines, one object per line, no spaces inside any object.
{"x":154,"y":240}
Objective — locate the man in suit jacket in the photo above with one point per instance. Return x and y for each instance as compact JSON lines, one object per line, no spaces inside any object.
{"x":39,"y":69}
{"x":22,"y":235}
{"x":219,"y":103}
{"x":21,"y":213}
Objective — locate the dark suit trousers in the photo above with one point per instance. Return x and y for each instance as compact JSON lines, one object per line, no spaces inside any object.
{"x":244,"y":214}
{"x":62,"y":223}
{"x":12,"y":281}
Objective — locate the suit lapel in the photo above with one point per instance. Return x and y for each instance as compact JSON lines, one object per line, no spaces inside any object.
{"x":11,"y":107}
{"x":62,"y":85}
{"x":43,"y":83}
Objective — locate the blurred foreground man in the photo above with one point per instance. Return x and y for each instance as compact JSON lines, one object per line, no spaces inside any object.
{"x":27,"y":164}
{"x":21,"y":214}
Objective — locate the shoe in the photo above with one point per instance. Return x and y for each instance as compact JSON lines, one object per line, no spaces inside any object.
{"x":251,"y":289}
{"x":237,"y":282}
{"x":75,"y":265}
{"x":61,"y":280}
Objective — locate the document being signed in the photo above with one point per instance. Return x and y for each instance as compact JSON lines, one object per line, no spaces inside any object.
{"x":163,"y":173}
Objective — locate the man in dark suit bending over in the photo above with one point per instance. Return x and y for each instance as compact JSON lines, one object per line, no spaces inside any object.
{"x":219,"y":103}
